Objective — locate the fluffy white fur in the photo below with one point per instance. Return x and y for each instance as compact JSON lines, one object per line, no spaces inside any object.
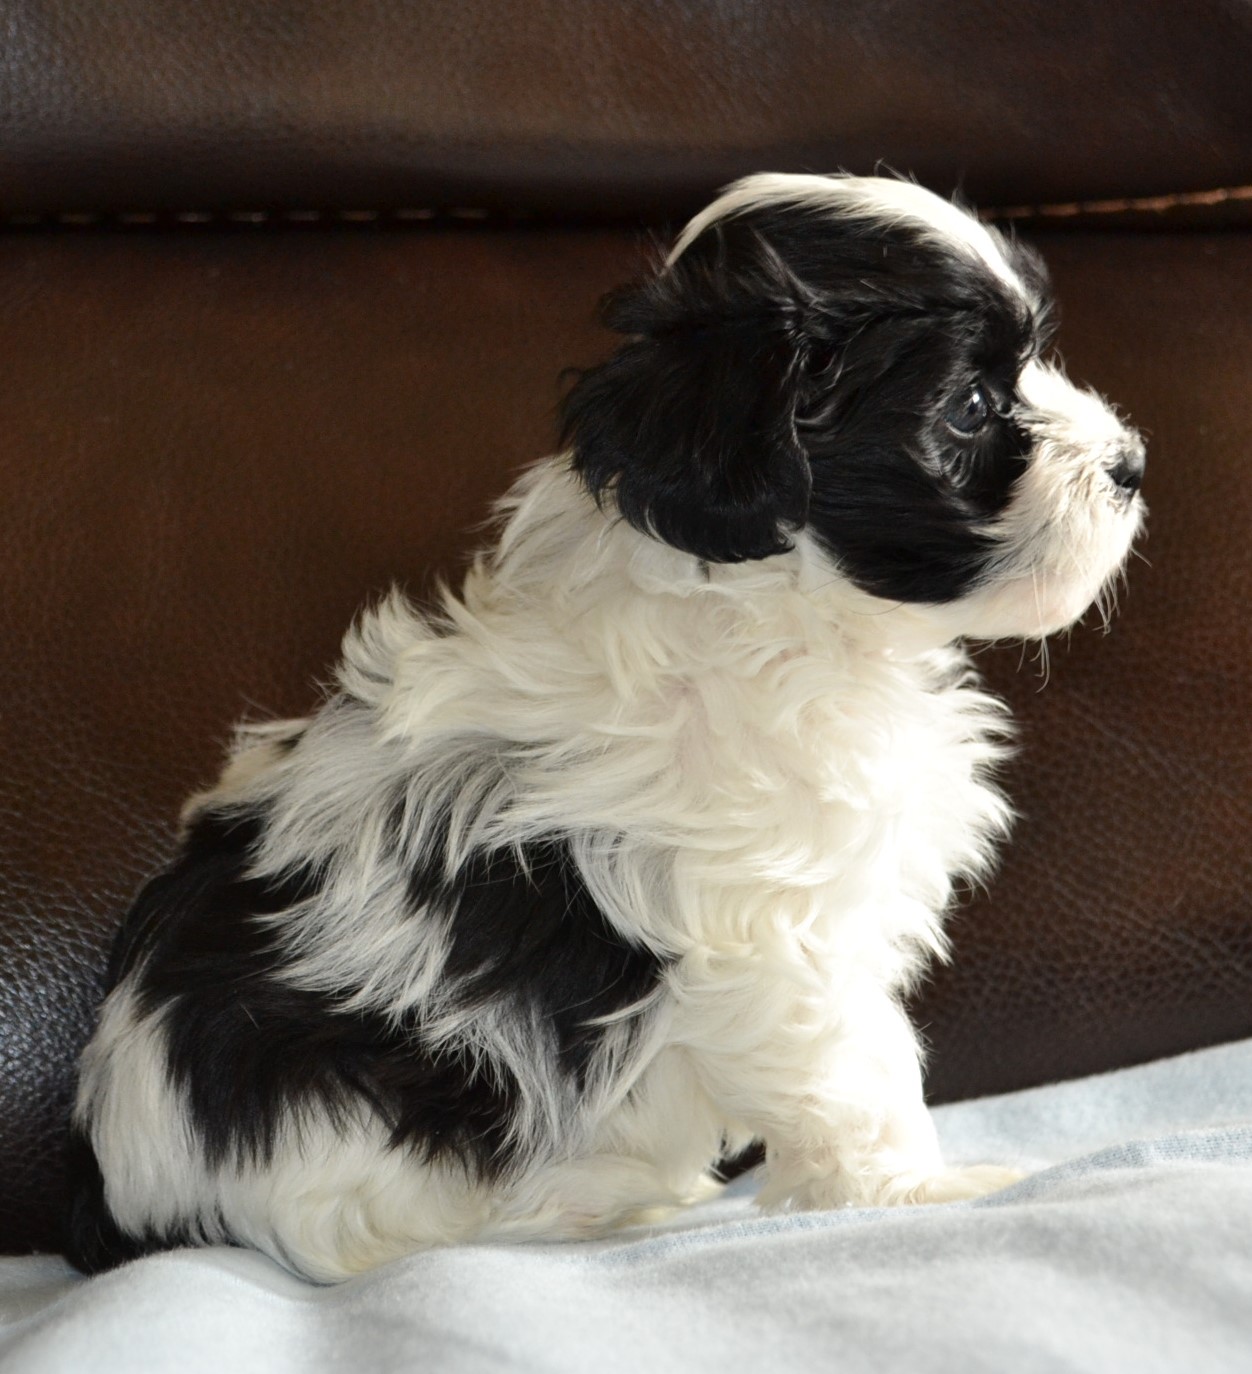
{"x":767,"y":776}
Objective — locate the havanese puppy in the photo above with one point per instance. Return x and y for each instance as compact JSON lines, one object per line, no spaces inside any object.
{"x":626,"y":856}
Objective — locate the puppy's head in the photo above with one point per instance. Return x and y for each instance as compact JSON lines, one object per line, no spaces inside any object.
{"x":861,"y":361}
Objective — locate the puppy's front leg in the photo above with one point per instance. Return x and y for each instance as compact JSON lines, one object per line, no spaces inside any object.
{"x":829,"y":1078}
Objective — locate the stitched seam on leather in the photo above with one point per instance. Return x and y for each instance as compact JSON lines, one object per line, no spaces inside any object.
{"x":1157,"y":204}
{"x":1122,"y":205}
{"x":259,"y":218}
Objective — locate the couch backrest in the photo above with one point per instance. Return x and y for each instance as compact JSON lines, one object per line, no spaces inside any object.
{"x":607,"y":107}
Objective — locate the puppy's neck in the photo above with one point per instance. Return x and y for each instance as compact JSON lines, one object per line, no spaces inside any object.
{"x":581,"y":563}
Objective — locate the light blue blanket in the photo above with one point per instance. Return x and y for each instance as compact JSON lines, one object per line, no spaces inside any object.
{"x":1129,"y":1248}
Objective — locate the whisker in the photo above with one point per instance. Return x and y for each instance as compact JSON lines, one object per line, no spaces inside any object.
{"x":1043,"y":658}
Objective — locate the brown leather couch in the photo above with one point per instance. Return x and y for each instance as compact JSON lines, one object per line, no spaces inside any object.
{"x":286,"y":293}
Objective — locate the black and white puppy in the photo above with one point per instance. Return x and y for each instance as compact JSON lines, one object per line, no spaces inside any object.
{"x":627,"y":856}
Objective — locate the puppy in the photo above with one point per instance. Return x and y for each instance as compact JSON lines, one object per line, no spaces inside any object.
{"x":626,"y":857}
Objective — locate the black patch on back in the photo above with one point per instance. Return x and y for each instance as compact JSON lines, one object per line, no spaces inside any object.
{"x":526,"y":932}
{"x":253,"y":1054}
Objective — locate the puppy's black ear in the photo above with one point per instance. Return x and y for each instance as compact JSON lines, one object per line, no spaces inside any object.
{"x":691,"y":424}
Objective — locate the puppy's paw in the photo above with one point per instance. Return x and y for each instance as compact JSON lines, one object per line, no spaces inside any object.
{"x":868,"y":1188}
{"x":959,"y":1185}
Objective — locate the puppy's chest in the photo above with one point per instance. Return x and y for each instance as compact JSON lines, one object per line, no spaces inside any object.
{"x":883,"y":772}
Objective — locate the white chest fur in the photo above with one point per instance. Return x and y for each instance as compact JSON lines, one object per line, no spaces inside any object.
{"x":757,"y":724}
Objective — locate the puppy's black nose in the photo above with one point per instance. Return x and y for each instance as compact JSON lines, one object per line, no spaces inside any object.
{"x":1127,"y":472}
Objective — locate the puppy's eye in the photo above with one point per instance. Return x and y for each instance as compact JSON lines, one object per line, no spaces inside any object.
{"x":968,"y":414}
